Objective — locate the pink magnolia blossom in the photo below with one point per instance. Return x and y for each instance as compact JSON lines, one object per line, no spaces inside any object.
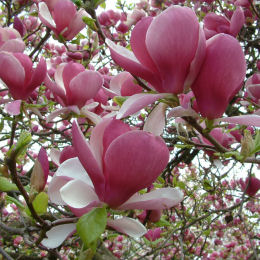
{"x":214,"y":24}
{"x":62,"y":17}
{"x":168,"y":50}
{"x":253,"y":87}
{"x":252,"y":187}
{"x":19,"y":75}
{"x":221,"y":75}
{"x":10,"y":40}
{"x":74,"y":85}
{"x":118,"y":162}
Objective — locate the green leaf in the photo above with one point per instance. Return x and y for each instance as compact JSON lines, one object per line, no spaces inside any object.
{"x":256,"y":148}
{"x":40,"y":204}
{"x":91,"y":23}
{"x":119,"y":100}
{"x":10,"y":200}
{"x":181,"y":185}
{"x":6,"y":185}
{"x":207,"y":186}
{"x":162,"y":223}
{"x":91,"y":225}
{"x":22,"y":143}
{"x":96,"y":3}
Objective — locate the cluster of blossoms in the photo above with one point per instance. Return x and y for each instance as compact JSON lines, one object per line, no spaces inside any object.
{"x":191,"y":73}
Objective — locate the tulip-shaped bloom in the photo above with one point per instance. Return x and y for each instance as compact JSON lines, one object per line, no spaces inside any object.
{"x":62,"y":17}
{"x":10,"y":40}
{"x":221,"y":75}
{"x":74,"y":85}
{"x":18,"y":74}
{"x":118,"y":162}
{"x":168,"y":50}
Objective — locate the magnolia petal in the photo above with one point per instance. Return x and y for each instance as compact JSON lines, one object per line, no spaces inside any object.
{"x":43,"y":159}
{"x":88,"y":158}
{"x":55,"y":156}
{"x":136,"y":102}
{"x":249,"y":120}
{"x":57,"y":234}
{"x":91,"y":116}
{"x":78,"y":194}
{"x":13,"y":45}
{"x":128,"y":226}
{"x":13,"y":108}
{"x":62,"y":110}
{"x":117,"y":82}
{"x":155,"y":122}
{"x":45,"y":15}
{"x":159,"y":199}
{"x":237,"y":21}
{"x":180,"y":112}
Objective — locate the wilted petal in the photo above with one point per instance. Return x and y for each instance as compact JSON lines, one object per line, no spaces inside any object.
{"x":128,"y":226}
{"x":57,"y":235}
{"x":159,"y":199}
{"x":136,"y":102}
{"x":78,"y":194}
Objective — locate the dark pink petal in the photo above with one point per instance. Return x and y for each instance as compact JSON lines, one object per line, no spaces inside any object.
{"x":128,"y":226}
{"x":136,"y":102}
{"x":13,"y":108}
{"x":130,"y":87}
{"x":217,"y":23}
{"x":83,"y":87}
{"x":237,"y":21}
{"x":163,"y":198}
{"x":132,"y":162}
{"x":67,"y":153}
{"x":221,"y":75}
{"x":172,"y":40}
{"x":253,"y":186}
{"x":43,"y":159}
{"x":87,"y":158}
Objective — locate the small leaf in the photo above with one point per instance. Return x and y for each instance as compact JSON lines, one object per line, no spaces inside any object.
{"x":91,"y":23}
{"x":256,"y":148}
{"x":181,"y":185}
{"x":40,"y":204}
{"x":207,"y":186}
{"x":6,"y":185}
{"x":10,"y":200}
{"x":91,"y":225}
{"x":22,"y":143}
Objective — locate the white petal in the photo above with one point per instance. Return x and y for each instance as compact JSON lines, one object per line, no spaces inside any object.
{"x":128,"y":226}
{"x":163,"y":198}
{"x":57,"y":235}
{"x":78,"y":194}
{"x":155,"y":122}
{"x":55,"y":156}
{"x":45,"y":14}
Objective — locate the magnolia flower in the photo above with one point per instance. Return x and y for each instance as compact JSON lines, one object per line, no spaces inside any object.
{"x":74,"y":85}
{"x":251,"y":186}
{"x":10,"y":40}
{"x":168,"y":50}
{"x":253,"y":87}
{"x":221,"y":75}
{"x":110,"y":169}
{"x":19,"y":76}
{"x":62,"y":17}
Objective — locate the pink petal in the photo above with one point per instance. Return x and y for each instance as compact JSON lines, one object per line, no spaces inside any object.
{"x":132,"y":162}
{"x":88,"y":158}
{"x":43,"y":159}
{"x":84,"y":86}
{"x":13,"y":45}
{"x":155,"y":122}
{"x":13,"y":108}
{"x":60,"y":111}
{"x":13,"y":75}
{"x":136,"y":102}
{"x":138,"y":44}
{"x":78,"y":194}
{"x":237,"y":21}
{"x":128,"y":226}
{"x":93,"y":117}
{"x":249,"y":120}
{"x":180,"y":112}
{"x":129,"y":62}
{"x":55,"y":156}
{"x":57,"y":234}
{"x":76,"y":25}
{"x":171,"y":41}
{"x":63,"y":12}
{"x":45,"y":15}
{"x":221,"y":75}
{"x":159,"y":199}
{"x":117,"y":81}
